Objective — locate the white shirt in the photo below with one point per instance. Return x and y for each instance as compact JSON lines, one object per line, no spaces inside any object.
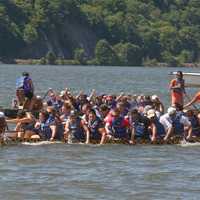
{"x":166,"y":121}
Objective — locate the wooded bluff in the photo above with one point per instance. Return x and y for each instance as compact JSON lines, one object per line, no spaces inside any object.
{"x":106,"y":32}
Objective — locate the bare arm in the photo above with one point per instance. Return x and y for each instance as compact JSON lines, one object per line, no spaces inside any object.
{"x":87,"y":132}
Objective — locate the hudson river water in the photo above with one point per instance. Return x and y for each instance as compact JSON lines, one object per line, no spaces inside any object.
{"x":110,"y":172}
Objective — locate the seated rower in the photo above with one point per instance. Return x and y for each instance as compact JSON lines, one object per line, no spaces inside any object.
{"x":117,"y":126}
{"x":75,"y":129}
{"x":139,"y":125}
{"x":24,"y":122}
{"x":3,"y":126}
{"x":157,"y":130}
{"x":195,"y":123}
{"x":96,"y":127}
{"x":48,"y":126}
{"x":175,"y":124}
{"x":65,"y":111}
{"x":195,"y":99}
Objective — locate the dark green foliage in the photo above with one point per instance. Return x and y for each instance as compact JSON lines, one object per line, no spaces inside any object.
{"x":104,"y":54}
{"x":50,"y":58}
{"x":79,"y":55}
{"x":128,"y":32}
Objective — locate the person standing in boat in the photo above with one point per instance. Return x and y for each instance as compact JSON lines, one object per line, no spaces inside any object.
{"x":25,"y":91}
{"x":177,"y":88}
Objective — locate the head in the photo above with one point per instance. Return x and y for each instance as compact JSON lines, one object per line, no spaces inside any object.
{"x":52,"y":96}
{"x":171,"y":111}
{"x":104,"y":109}
{"x":155,"y":98}
{"x":189,"y":113}
{"x":86,"y":108}
{"x":43,"y":115}
{"x":92,"y":115}
{"x":121,"y":107}
{"x":26,"y":74}
{"x":115,"y":113}
{"x":67,"y":107}
{"x":151,"y":114}
{"x":134,"y":114}
{"x":3,"y":123}
{"x":179,"y":75}
{"x":21,"y":114}
{"x":51,"y":110}
{"x":73,"y":116}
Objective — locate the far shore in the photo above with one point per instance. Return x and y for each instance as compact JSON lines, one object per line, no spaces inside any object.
{"x":75,"y":62}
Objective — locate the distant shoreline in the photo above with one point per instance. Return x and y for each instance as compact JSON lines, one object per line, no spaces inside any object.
{"x":74,"y":62}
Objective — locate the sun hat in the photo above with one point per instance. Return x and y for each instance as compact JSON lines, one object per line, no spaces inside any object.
{"x":171,"y":110}
{"x":2,"y":115}
{"x":151,"y":113}
{"x":154,"y":97}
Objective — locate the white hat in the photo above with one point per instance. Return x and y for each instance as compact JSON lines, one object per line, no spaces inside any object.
{"x":151,"y":113}
{"x":154,"y":97}
{"x":2,"y":115}
{"x":171,"y":110}
{"x":147,"y":108}
{"x":62,"y":93}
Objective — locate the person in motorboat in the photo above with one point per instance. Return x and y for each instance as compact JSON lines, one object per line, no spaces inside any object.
{"x":177,"y":88}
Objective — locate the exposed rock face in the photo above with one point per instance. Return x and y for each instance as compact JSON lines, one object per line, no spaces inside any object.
{"x":62,"y":41}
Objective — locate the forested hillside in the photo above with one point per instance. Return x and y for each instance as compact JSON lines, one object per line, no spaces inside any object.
{"x":103,"y":32}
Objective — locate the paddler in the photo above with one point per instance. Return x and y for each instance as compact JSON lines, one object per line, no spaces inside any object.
{"x":3,"y":126}
{"x":195,"y":99}
{"x":177,"y":88}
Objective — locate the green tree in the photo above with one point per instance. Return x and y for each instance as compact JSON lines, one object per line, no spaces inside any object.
{"x":104,"y":54}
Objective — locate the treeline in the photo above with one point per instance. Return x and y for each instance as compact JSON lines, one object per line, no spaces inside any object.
{"x":127,"y":32}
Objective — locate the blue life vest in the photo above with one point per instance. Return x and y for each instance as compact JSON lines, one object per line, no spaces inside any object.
{"x":20,"y":83}
{"x":177,"y":125}
{"x":118,"y":129}
{"x":195,"y":126}
{"x":94,"y":126}
{"x":76,"y":130}
{"x":160,"y":128}
{"x":45,"y":131}
{"x":139,"y":128}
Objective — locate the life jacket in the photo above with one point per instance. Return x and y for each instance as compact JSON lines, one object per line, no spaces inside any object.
{"x":45,"y":129}
{"x":177,"y":125}
{"x":20,"y":82}
{"x":141,"y":131}
{"x":181,"y":89}
{"x":76,"y":130}
{"x":160,"y":128}
{"x":26,"y":85}
{"x":94,"y":126}
{"x":195,"y":125}
{"x":118,"y":128}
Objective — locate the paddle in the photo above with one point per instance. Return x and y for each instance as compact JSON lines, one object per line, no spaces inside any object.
{"x":194,"y":106}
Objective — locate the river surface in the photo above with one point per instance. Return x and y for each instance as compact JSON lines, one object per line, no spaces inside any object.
{"x":113,"y":172}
